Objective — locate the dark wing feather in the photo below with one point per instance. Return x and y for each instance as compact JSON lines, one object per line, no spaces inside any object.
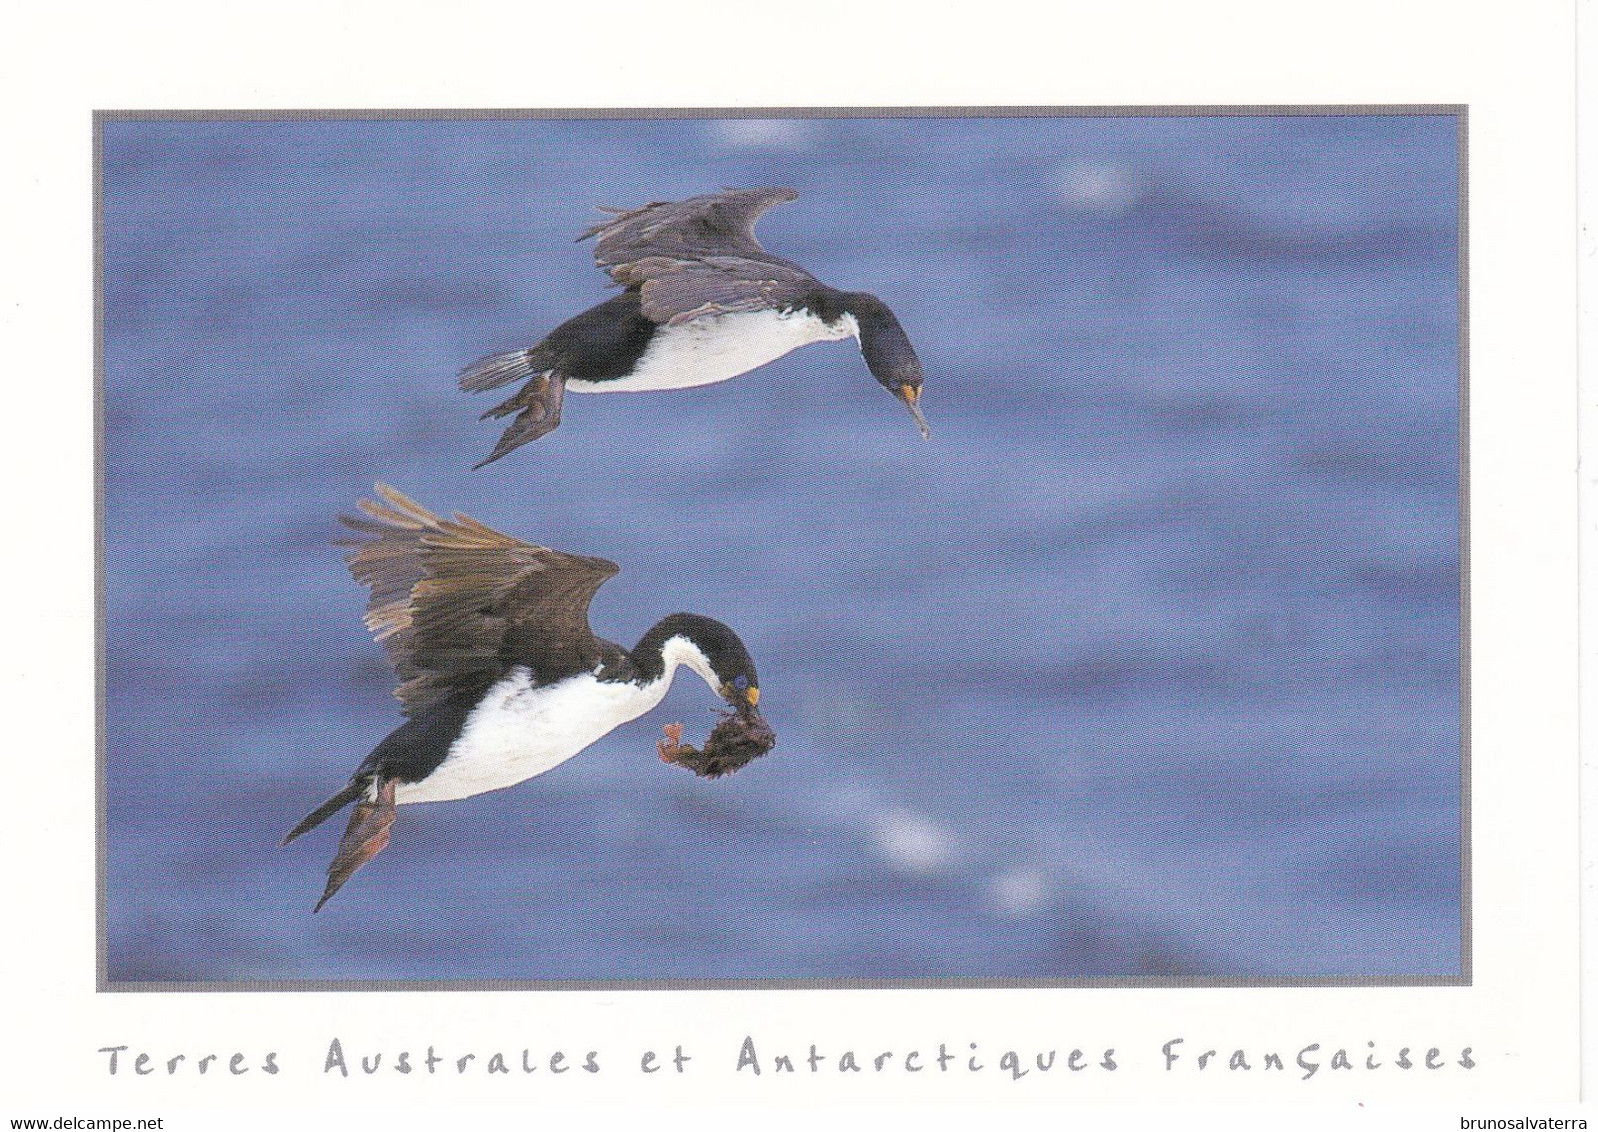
{"x":699,"y":257}
{"x":673,"y":292}
{"x":454,"y":602}
{"x":715,"y":224}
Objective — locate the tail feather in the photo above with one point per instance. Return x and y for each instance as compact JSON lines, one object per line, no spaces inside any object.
{"x":502,"y":369}
{"x":326,"y":810}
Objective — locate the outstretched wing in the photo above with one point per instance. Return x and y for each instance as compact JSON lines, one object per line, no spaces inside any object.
{"x":672,"y":292}
{"x":717,"y":224}
{"x":453,"y":601}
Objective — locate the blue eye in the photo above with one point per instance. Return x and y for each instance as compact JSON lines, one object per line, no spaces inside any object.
{"x":741,"y":683}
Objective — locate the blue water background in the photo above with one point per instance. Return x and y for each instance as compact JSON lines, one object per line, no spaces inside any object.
{"x":1147,"y":664}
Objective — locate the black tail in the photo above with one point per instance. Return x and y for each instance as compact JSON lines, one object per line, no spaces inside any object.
{"x":502,"y":369}
{"x":326,"y":810}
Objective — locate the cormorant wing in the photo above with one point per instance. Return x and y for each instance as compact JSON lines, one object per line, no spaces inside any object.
{"x":672,"y":292}
{"x":699,"y":257}
{"x":717,"y":224}
{"x":454,"y":602}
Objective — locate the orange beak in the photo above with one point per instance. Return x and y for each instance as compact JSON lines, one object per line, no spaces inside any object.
{"x":911,"y":396}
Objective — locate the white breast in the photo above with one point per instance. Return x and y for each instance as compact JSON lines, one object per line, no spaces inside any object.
{"x":713,"y":349}
{"x":520,"y":731}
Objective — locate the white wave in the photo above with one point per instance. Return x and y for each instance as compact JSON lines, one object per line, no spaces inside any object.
{"x":1021,"y":891}
{"x":762,"y":133}
{"x":913,"y":843}
{"x":1105,"y":189}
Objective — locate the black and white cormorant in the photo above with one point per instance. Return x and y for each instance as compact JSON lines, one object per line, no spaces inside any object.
{"x":703,"y":302}
{"x":499,"y":672}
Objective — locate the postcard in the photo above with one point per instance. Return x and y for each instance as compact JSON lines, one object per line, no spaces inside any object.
{"x":1003,"y":604}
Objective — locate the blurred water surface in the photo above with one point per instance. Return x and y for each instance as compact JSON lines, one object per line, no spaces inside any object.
{"x":1147,"y":664}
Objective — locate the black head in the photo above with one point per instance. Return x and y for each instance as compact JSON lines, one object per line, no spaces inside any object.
{"x":705,"y":645}
{"x":889,"y":355}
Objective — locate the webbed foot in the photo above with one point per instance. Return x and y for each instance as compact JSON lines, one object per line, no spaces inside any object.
{"x":364,"y":838}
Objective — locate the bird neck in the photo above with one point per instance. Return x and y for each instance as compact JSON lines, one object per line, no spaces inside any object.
{"x":833,"y":308}
{"x":888,"y":353}
{"x":672,"y":643}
